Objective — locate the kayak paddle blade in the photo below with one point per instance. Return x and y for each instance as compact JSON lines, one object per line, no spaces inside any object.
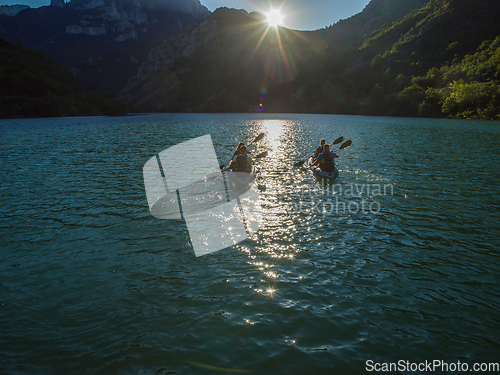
{"x":345,"y":144}
{"x":259,"y":137}
{"x":338,"y":140}
{"x":262,"y":155}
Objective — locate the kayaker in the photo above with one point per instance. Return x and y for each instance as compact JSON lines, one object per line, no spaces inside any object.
{"x":319,"y":150}
{"x":241,"y":162}
{"x":326,"y":160}
{"x":237,"y":151}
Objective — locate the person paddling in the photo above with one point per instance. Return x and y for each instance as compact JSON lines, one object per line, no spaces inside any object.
{"x":241,"y":162}
{"x":319,"y":150}
{"x":237,"y":151}
{"x":326,"y":160}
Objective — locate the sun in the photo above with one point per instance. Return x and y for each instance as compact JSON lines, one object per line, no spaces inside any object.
{"x":274,"y":18}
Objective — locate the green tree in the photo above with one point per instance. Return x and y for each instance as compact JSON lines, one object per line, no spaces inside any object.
{"x":409,"y":100}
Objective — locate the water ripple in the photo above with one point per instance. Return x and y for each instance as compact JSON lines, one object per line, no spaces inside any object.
{"x":90,"y":280}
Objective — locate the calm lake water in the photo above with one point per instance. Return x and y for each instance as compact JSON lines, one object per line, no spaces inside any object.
{"x":398,"y":259}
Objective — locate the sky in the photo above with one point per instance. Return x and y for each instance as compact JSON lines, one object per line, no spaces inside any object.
{"x":298,"y":14}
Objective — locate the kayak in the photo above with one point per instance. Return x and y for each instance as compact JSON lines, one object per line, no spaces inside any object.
{"x":322,"y":174}
{"x":242,"y":178}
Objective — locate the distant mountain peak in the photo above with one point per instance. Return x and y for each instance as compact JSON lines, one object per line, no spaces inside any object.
{"x":12,"y":10}
{"x":186,"y":6}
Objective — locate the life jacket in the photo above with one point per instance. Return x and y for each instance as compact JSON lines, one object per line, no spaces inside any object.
{"x":327,"y":162}
{"x":242,"y":164}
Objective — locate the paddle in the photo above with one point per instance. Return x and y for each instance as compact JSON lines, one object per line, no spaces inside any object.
{"x":257,"y":139}
{"x":218,"y":173}
{"x":337,"y":141}
{"x":299,"y":163}
{"x":344,"y":145}
{"x":262,"y":155}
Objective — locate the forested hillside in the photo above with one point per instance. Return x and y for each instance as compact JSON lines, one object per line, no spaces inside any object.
{"x":439,"y":60}
{"x":468,"y":89}
{"x":33,"y":85}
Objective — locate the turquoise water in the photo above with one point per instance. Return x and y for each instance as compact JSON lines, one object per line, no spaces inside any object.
{"x":398,"y":259}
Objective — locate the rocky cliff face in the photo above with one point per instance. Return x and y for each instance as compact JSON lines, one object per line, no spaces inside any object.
{"x":141,"y":95}
{"x":128,"y":19}
{"x":118,"y":21}
{"x":101,"y":41}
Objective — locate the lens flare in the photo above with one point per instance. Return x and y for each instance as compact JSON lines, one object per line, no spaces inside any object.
{"x":263,"y":91}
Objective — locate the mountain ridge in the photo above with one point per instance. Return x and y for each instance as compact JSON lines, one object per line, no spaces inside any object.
{"x":101,"y":42}
{"x":223,"y":36}
{"x":332,"y":70}
{"x":12,"y":10}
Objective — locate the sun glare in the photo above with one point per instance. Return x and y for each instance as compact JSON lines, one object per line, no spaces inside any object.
{"x":274,"y":18}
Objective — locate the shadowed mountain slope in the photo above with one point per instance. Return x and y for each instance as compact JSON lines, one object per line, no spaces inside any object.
{"x":227,"y":62}
{"x":102,"y":42}
{"x":33,"y":85}
{"x":368,"y":64}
